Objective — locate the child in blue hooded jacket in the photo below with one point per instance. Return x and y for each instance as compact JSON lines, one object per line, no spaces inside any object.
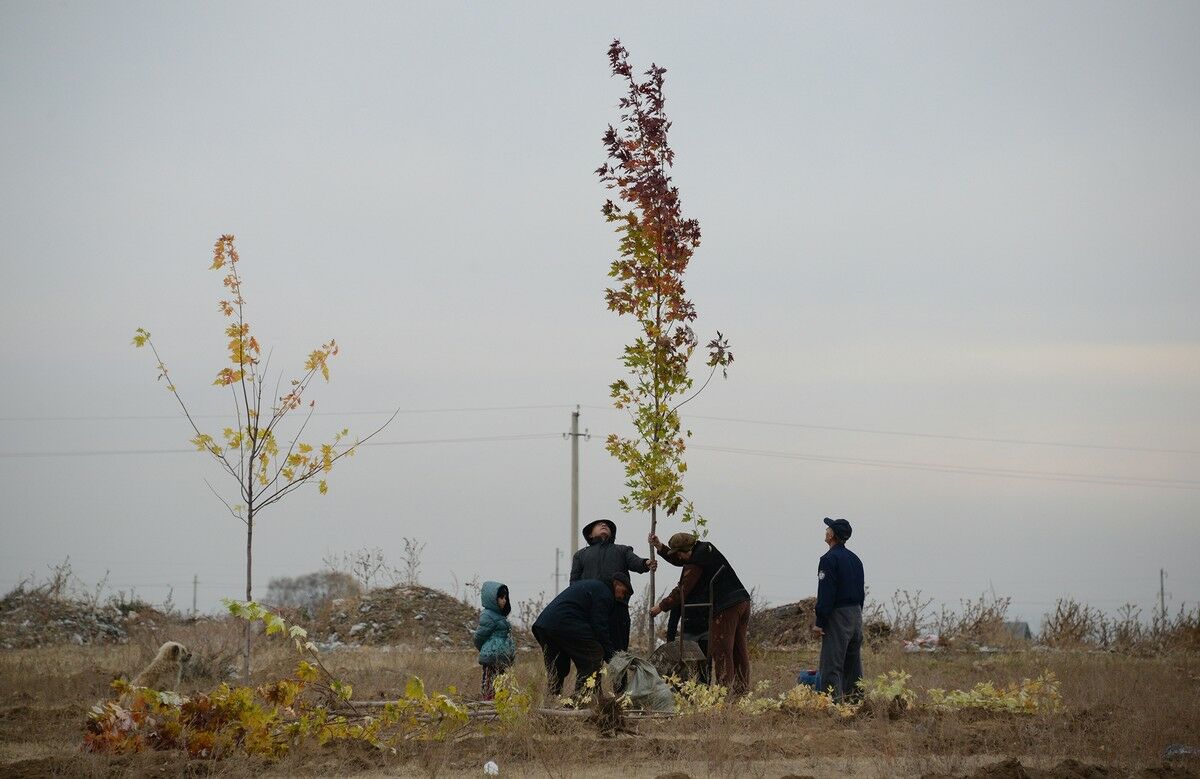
{"x":493,"y":637}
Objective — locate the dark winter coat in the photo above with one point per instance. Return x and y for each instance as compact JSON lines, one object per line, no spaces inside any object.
{"x":493,"y":637}
{"x":840,"y":582}
{"x":695,"y":618}
{"x":582,"y":610}
{"x":727,"y":588}
{"x":600,"y":560}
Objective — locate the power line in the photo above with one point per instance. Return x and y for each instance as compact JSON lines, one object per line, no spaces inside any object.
{"x":915,"y":434}
{"x":978,"y":439}
{"x":1085,"y":478}
{"x":739,"y":420}
{"x":1121,"y":481}
{"x":139,"y":417}
{"x":106,"y":452}
{"x":515,"y":437}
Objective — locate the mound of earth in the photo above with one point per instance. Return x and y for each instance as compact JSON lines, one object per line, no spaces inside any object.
{"x":784,"y":625}
{"x":31,"y":617}
{"x":404,"y":615}
{"x":792,"y":623}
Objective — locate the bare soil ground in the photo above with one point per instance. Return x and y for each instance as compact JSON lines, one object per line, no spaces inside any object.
{"x":1120,"y":713}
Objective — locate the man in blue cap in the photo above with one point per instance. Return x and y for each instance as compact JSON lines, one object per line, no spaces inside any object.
{"x":841,"y":591}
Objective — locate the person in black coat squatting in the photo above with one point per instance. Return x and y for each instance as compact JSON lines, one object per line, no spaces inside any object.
{"x":841,"y":590}
{"x":574,"y":628}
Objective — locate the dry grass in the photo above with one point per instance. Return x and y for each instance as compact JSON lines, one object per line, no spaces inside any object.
{"x":1120,"y":710}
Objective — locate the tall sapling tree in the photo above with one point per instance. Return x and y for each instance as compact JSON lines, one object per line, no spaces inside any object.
{"x":656,"y":245}
{"x":250,"y":452}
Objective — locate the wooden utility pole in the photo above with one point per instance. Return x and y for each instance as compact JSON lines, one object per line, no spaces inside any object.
{"x":195,"y":585}
{"x":1162,"y":596}
{"x":557,"y":555}
{"x":575,"y":435}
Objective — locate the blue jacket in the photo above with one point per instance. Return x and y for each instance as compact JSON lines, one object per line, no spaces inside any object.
{"x":840,"y":582}
{"x":493,"y":638}
{"x":581,"y":611}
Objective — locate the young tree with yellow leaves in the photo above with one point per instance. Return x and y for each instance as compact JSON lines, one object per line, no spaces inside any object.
{"x":656,"y":244}
{"x":250,"y":453}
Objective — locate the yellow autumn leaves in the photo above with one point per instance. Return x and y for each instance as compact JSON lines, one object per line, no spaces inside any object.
{"x":318,"y":359}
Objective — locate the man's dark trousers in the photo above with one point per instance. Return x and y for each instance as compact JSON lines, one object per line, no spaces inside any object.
{"x":559,"y":651}
{"x":841,"y":653}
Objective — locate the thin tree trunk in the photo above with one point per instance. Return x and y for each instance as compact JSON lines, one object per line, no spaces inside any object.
{"x":249,"y":568}
{"x":650,"y":603}
{"x":658,"y":407}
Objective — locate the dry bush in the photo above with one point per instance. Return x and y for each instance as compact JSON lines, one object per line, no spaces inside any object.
{"x":1125,"y":631}
{"x":368,"y":566}
{"x":1072,"y":624}
{"x":873,"y":610}
{"x":1180,"y":633}
{"x":758,"y":605}
{"x":473,"y":592}
{"x":1076,"y":625}
{"x":528,"y":609}
{"x":907,"y":613}
{"x":411,"y":557}
{"x":639,"y":604}
{"x":981,"y":621}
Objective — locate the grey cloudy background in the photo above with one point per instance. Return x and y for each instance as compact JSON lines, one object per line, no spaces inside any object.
{"x":974,"y":221}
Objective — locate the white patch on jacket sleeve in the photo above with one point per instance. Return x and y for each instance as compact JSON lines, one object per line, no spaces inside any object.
{"x":820,"y":575}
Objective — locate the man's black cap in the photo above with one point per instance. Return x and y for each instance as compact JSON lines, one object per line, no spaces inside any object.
{"x":841,"y":528}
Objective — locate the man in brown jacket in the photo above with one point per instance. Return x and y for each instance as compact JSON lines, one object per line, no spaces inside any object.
{"x":703,"y":567}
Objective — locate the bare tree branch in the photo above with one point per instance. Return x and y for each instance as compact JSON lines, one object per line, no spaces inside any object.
{"x":296,"y":483}
{"x":179,"y":399}
{"x":239,"y":517}
{"x":697,"y":392}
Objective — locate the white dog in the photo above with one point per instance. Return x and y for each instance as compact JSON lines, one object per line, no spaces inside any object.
{"x":165,"y":669}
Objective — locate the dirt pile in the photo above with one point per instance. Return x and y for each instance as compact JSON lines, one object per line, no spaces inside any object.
{"x":31,"y":617}
{"x":792,"y":624}
{"x":784,"y":625}
{"x":405,"y":615}
{"x":411,"y":616}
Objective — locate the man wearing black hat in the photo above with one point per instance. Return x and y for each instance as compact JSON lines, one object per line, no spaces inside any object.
{"x":602,"y":558}
{"x":841,"y":590}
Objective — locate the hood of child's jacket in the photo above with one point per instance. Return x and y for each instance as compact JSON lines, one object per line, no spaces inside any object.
{"x":612,"y":531}
{"x":489,"y":596}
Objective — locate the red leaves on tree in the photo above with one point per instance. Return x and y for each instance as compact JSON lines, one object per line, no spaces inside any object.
{"x":656,"y":244}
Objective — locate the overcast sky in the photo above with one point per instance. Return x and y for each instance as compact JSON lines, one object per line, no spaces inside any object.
{"x":954,"y":247}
